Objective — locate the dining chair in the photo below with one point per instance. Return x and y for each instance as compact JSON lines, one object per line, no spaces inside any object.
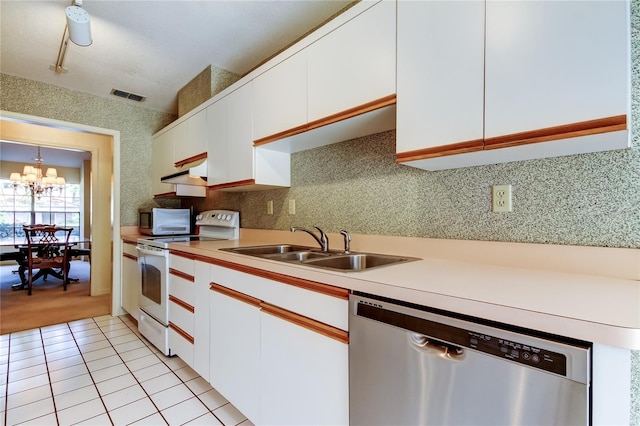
{"x":46,"y":251}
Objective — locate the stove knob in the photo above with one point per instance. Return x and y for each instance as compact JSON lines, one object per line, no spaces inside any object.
{"x":227,"y":217}
{"x":219,"y":216}
{"x":199,"y":217}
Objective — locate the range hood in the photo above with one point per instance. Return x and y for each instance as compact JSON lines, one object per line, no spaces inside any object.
{"x":194,"y":174}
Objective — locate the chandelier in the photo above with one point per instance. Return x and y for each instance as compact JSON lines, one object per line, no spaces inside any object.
{"x":34,"y":182}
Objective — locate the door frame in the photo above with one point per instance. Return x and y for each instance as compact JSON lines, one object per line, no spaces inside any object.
{"x":104,"y":145}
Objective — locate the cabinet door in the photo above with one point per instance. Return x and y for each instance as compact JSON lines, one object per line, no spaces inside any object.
{"x":162,"y":163}
{"x":239,"y":135}
{"x":440,"y":74}
{"x":235,"y":350}
{"x":353,"y":64}
{"x":304,"y":375}
{"x":191,"y":138}
{"x":217,"y":144}
{"x":131,"y":280}
{"x":201,"y":326}
{"x":552,"y":63}
{"x":280,"y":97}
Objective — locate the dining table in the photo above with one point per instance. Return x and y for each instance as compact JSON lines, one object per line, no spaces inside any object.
{"x":21,"y":255}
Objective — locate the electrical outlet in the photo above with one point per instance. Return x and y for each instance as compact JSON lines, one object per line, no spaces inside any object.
{"x":270,"y":207}
{"x":292,"y":206}
{"x":501,"y":198}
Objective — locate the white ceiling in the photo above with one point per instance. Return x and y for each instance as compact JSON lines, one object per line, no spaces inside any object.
{"x":152,"y":48}
{"x":20,"y":153}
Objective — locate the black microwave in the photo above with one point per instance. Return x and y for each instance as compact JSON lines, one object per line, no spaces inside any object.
{"x":159,"y":221}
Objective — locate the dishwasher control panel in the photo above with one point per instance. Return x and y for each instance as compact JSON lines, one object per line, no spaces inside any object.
{"x":519,"y":352}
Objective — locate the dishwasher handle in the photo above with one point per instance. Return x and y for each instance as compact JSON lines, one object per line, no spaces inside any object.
{"x":429,"y":346}
{"x":150,"y":252}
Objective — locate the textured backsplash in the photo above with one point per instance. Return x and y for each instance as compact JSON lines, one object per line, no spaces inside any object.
{"x":587,"y":199}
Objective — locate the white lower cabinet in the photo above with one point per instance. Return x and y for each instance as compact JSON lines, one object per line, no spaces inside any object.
{"x":304,"y":375}
{"x":201,"y":326}
{"x":235,"y":349}
{"x":181,"y":307}
{"x":131,"y":279}
{"x":271,"y":356}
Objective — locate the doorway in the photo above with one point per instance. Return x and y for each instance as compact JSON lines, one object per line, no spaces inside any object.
{"x":104,"y":146}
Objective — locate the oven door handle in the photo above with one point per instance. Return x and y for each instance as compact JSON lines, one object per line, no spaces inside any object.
{"x":150,"y":252}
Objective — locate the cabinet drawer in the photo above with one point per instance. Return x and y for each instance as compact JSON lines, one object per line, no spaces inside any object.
{"x":182,"y":288}
{"x":129,"y":250}
{"x":182,"y":315}
{"x":320,"y":307}
{"x":180,"y":345}
{"x":182,"y":264}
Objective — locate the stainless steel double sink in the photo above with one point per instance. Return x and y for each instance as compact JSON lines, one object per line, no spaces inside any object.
{"x":332,"y":260}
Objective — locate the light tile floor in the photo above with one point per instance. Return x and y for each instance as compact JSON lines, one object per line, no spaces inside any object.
{"x":100,"y":371}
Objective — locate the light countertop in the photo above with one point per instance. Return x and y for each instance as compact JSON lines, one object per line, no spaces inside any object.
{"x":587,"y":293}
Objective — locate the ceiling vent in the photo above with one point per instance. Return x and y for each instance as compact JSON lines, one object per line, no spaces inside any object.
{"x":127,"y":95}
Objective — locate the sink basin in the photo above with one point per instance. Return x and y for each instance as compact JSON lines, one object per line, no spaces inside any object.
{"x":268,"y":250}
{"x":309,"y":256}
{"x":357,"y":261}
{"x":299,"y":255}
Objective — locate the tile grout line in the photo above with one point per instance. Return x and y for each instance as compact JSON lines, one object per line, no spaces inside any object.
{"x":108,"y":323}
{"x":89,"y":371}
{"x":131,"y":372}
{"x":6,"y":381}
{"x":46,"y":365}
{"x":180,"y":378}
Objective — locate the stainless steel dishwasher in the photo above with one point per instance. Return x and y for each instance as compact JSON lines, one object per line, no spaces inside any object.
{"x":412,"y":366}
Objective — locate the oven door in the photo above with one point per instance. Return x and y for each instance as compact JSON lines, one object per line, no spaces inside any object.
{"x":153,"y":295}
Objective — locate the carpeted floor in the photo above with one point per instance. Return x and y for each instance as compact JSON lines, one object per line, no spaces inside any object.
{"x":48,"y":304}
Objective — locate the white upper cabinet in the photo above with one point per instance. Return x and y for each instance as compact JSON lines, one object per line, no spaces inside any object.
{"x":553,"y":63}
{"x":556,"y":80}
{"x":190,"y":137}
{"x":233,"y":163}
{"x":280,"y":97}
{"x":162,"y":162}
{"x":354,"y":64}
{"x":217,"y":148}
{"x":239,"y":135}
{"x":440,"y":74}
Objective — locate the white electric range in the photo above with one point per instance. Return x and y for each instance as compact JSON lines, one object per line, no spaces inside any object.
{"x":153,"y":259}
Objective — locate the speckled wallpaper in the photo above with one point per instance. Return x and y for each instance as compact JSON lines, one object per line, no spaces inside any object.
{"x":136,"y":126}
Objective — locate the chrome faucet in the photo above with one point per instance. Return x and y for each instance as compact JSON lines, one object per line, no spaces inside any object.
{"x":347,"y":241}
{"x":323,"y":240}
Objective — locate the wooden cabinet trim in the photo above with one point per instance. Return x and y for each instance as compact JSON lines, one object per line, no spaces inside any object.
{"x":281,"y":135}
{"x":308,"y":323}
{"x":245,"y":182}
{"x":325,"y":289}
{"x":130,"y":242}
{"x":235,"y":294}
{"x":201,"y":156}
{"x":334,"y":118}
{"x":130,"y":256}
{"x":181,"y":274}
{"x":183,"y":254}
{"x":439,"y":151}
{"x":182,"y":333}
{"x":355,"y":111}
{"x":181,"y":303}
{"x":166,"y":195}
{"x":565,"y":131}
